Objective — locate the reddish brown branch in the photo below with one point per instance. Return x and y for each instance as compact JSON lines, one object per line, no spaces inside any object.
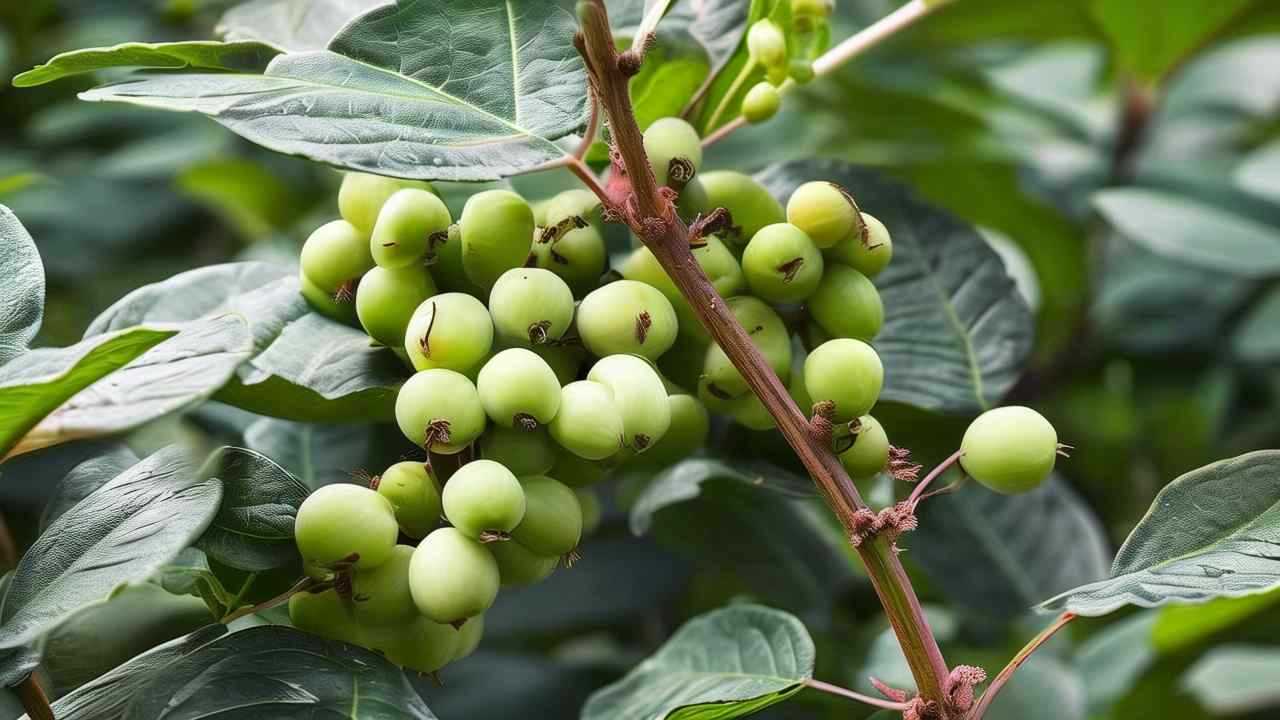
{"x":33,"y":699}
{"x":1007,"y":673}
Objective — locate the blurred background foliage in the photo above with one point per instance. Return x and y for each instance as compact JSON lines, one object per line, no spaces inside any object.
{"x":1122,"y":155}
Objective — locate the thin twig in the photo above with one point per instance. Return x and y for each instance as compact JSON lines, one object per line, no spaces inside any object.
{"x":306,"y":583}
{"x":845,"y":692}
{"x":980,"y":708}
{"x":593,"y":126}
{"x":588,"y":178}
{"x":33,"y":699}
{"x":923,"y":485}
{"x":8,"y":549}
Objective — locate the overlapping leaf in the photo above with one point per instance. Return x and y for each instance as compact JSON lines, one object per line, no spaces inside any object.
{"x":22,"y":303}
{"x":195,"y":54}
{"x":292,"y":25}
{"x":253,"y":529}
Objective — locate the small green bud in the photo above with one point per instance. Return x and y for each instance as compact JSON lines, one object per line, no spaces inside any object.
{"x":761,"y":103}
{"x":802,"y":71}
{"x":767,"y":44}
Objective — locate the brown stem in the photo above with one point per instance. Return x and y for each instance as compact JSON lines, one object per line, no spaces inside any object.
{"x":33,"y":699}
{"x":847,"y":693}
{"x":653,"y":219}
{"x":8,"y":549}
{"x":987,"y":697}
{"x":593,"y":126}
{"x":921,"y":486}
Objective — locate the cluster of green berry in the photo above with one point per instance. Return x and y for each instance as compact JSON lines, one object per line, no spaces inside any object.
{"x":784,"y":55}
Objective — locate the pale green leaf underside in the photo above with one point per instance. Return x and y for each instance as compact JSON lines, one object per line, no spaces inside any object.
{"x":725,"y":664}
{"x":201,"y":54}
{"x":1236,"y":679}
{"x":1260,"y":172}
{"x":1214,"y":532}
{"x":22,"y":302}
{"x":292,"y":25}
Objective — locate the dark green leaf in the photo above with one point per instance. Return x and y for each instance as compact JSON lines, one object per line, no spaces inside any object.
{"x":278,"y":672}
{"x":121,"y":533}
{"x":198,"y":54}
{"x":292,"y":25}
{"x":1257,"y":338}
{"x":253,"y":529}
{"x":15,"y":663}
{"x":22,"y":304}
{"x":726,"y":664}
{"x":1214,"y":532}
{"x":392,"y":94}
{"x":317,"y":455}
{"x":529,"y":680}
{"x":956,"y":332}
{"x":86,"y":477}
{"x":1151,"y":37}
{"x":1112,"y":661}
{"x":683,"y":482}
{"x":1236,"y":679}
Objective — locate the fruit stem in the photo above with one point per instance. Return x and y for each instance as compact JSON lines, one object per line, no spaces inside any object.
{"x":980,"y":708}
{"x":653,"y":219}
{"x":305,"y":583}
{"x":33,"y":699}
{"x":923,"y":485}
{"x":847,"y":693}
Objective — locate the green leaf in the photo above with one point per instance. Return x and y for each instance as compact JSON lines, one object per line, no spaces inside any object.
{"x":274,"y":671}
{"x":1150,"y":38}
{"x":253,"y":529}
{"x":316,"y":454}
{"x":15,"y":663}
{"x":196,"y":54}
{"x":1214,"y":532}
{"x":34,"y":385}
{"x":292,"y":25}
{"x":122,"y":533}
{"x":726,"y":664}
{"x":391,"y":94}
{"x":1257,"y":338}
{"x":1178,"y":627}
{"x":1260,"y":173}
{"x":956,"y":332}
{"x":999,"y":555}
{"x":1111,"y":662}
{"x":1236,"y":679}
{"x":22,"y":303}
{"x":86,"y":477}
{"x":716,"y":25}
{"x":885,"y":661}
{"x":1043,"y":688}
{"x":683,"y":482}
{"x":1177,"y":226}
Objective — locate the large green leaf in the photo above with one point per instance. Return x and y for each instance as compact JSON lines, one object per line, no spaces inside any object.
{"x":317,"y":454}
{"x":85,"y":477}
{"x":1150,"y":38}
{"x":1260,"y":172}
{"x":1112,"y":661}
{"x":956,"y":332}
{"x":450,"y":90}
{"x":1236,"y":679}
{"x":1214,"y":532}
{"x":22,"y":303}
{"x":1257,"y":338}
{"x":121,"y":533}
{"x":253,"y":529}
{"x":1001,"y":554}
{"x":726,"y":664}
{"x":196,"y":54}
{"x":292,"y":25}
{"x":34,"y":385}
{"x":279,"y":672}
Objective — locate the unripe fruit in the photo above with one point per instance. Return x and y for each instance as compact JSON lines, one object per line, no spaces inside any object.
{"x":469,"y":636}
{"x":589,"y":423}
{"x":627,"y":317}
{"x":869,"y":255}
{"x":578,"y":257}
{"x":782,"y":264}
{"x":340,"y":521}
{"x":519,"y":389}
{"x":592,"y":512}
{"x":522,"y":452}
{"x":749,"y":412}
{"x":517,"y":565}
{"x":693,"y":200}
{"x":769,"y":334}
{"x":749,"y":202}
{"x":690,"y":426}
{"x":847,"y":304}
{"x":497,"y":232}
{"x":386,"y":300}
{"x":1009,"y":449}
{"x":870,"y":450}
{"x":325,"y":614}
{"x":716,"y":260}
{"x":812,"y":8}
{"x":575,"y":471}
{"x":801,"y":71}
{"x":762,"y":102}
{"x":325,"y":303}
{"x":405,"y":227}
{"x":419,"y":644}
{"x":552,"y":524}
{"x":361,"y":197}
{"x":639,"y":395}
{"x":451,"y":330}
{"x":440,"y":409}
{"x":578,"y":202}
{"x":531,"y":306}
{"x":847,"y":373}
{"x":566,"y":360}
{"x":452,"y":577}
{"x":414,"y":496}
{"x":381,"y":595}
{"x":444,"y":260}
{"x":483,"y":498}
{"x":767,"y":44}
{"x":824,"y":211}
{"x":671,"y":139}
{"x":334,"y":257}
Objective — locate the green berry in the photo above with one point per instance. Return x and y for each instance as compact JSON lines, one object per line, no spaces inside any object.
{"x":326,"y":303}
{"x":419,"y":644}
{"x":497,"y":232}
{"x":782,"y":264}
{"x":565,"y":359}
{"x":639,"y":395}
{"x":381,"y":595}
{"x":751,"y":413}
{"x":870,"y":450}
{"x":552,"y":523}
{"x":517,"y":565}
{"x":405,"y":227}
{"x":578,"y":257}
{"x":452,"y":577}
{"x":716,"y":260}
{"x":868,"y":255}
{"x":762,"y":102}
{"x":627,"y":317}
{"x":444,"y":259}
{"x":325,"y":614}
{"x":531,"y":306}
{"x":749,"y":202}
{"x":440,"y":409}
{"x":767,"y":44}
{"x":361,"y":197}
{"x":592,"y":512}
{"x":469,"y":636}
{"x":339,"y":522}
{"x":824,"y":211}
{"x":483,"y":499}
{"x":672,"y":139}
{"x":801,"y":71}
{"x":386,"y":300}
{"x":451,"y":330}
{"x":1009,"y":449}
{"x":847,"y":304}
{"x":767,"y":331}
{"x":579,"y":202}
{"x":334,"y":258}
{"x":522,"y":452}
{"x":847,"y":373}
{"x":589,"y":423}
{"x":575,"y":471}
{"x":414,"y":496}
{"x":812,"y":8}
{"x":690,"y":426}
{"x":519,"y":389}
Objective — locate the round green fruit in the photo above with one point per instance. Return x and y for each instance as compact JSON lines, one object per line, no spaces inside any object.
{"x":497,"y":233}
{"x":342,"y":522}
{"x":327,"y":303}
{"x":592,"y":512}
{"x":361,"y":197}
{"x":825,"y":212}
{"x":670,"y":140}
{"x":565,"y":359}
{"x":406,"y":226}
{"x":579,"y":203}
{"x":576,"y":471}
{"x":578,"y":257}
{"x":693,"y":201}
{"x":521,"y":451}
{"x":440,"y":409}
{"x":381,"y":595}
{"x":386,"y":300}
{"x":782,"y":264}
{"x":749,"y":202}
{"x":519,"y":389}
{"x":869,"y":254}
{"x":552,"y":524}
{"x":517,"y":565}
{"x":419,"y":644}
{"x":870,"y":450}
{"x":690,"y":426}
{"x":483,"y":499}
{"x":414,"y":496}
{"x":444,"y":259}
{"x":769,"y":334}
{"x":627,"y":317}
{"x":847,"y":304}
{"x":1009,"y":449}
{"x":334,"y":258}
{"x":451,"y":330}
{"x":639,"y":395}
{"x":452,"y":577}
{"x":325,"y":614}
{"x":847,"y":373}
{"x":589,"y":423}
{"x":469,"y":636}
{"x":767,"y":44}
{"x":762,"y":102}
{"x":531,"y":306}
